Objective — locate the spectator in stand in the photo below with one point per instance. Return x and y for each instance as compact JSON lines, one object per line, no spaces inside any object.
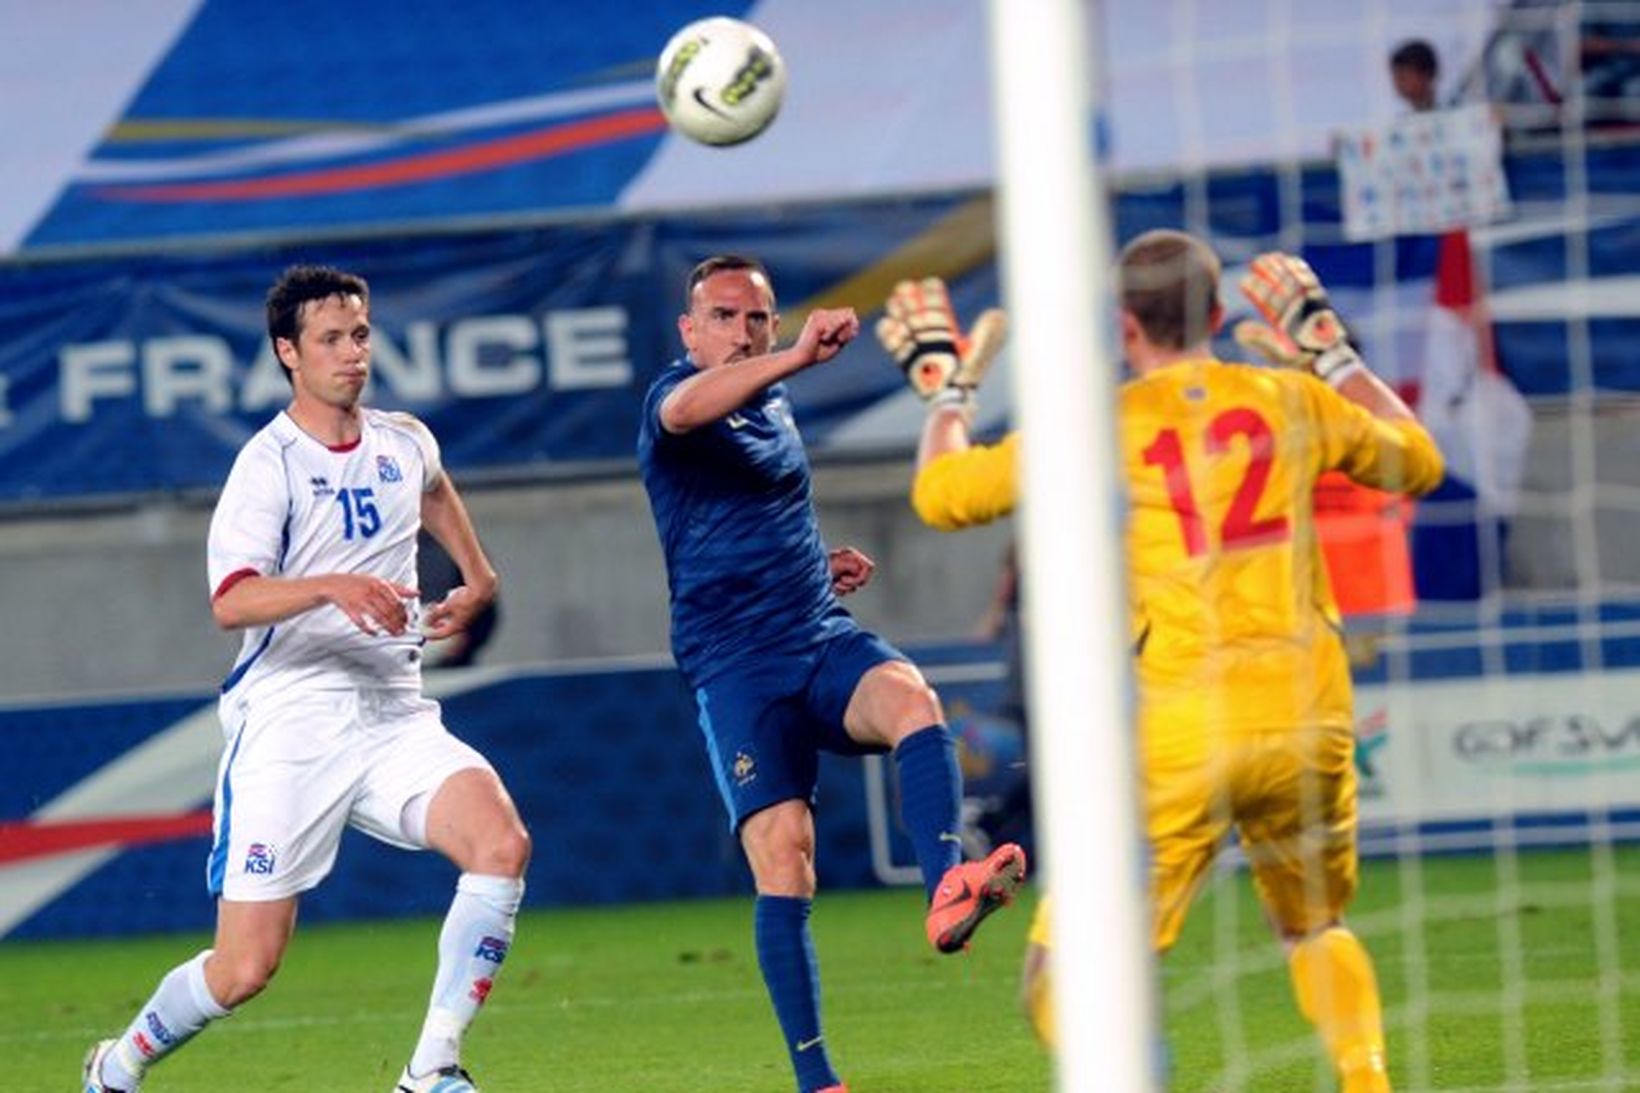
{"x":1414,"y":69}
{"x":1608,"y":51}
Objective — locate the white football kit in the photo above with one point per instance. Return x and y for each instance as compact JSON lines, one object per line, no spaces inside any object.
{"x":325,"y":724}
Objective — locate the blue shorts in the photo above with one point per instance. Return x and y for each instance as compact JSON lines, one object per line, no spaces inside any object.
{"x":766,"y":720}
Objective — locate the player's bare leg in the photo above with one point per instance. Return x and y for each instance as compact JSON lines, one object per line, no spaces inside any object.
{"x":894,"y":706}
{"x":779,"y":846}
{"x":250,"y":941}
{"x":472,"y":821}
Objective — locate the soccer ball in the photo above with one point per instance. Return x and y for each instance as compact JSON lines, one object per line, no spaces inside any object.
{"x":720,"y":81}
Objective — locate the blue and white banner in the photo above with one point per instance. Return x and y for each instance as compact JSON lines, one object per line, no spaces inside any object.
{"x":106,"y":824}
{"x":519,"y":349}
{"x":1526,"y":722}
{"x":150,"y":121}
{"x":531,"y":349}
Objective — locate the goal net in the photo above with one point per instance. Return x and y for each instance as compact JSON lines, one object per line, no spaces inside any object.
{"x":1483,"y":241}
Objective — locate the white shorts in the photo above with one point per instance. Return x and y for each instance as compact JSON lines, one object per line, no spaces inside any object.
{"x":295,"y":773}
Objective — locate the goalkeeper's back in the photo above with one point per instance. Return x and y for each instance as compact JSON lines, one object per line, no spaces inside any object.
{"x":1233,"y":617}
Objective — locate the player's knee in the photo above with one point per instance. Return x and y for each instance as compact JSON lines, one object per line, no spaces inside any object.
{"x":925,"y":706}
{"x":921,"y":701}
{"x":507,"y":853}
{"x":792,"y":858}
{"x":1294,"y":934}
{"x":241,"y":977}
{"x":792,"y":877}
{"x":916,"y":706}
{"x":785,"y":866}
{"x":512,"y":850}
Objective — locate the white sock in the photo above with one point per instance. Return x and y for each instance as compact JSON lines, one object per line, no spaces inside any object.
{"x":180,"y":1007}
{"x":477,"y":933}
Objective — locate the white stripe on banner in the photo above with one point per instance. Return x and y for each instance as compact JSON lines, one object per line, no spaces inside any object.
{"x":172,"y":771}
{"x":76,"y":66}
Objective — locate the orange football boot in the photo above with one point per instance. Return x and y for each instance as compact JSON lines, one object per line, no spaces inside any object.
{"x":971,"y":891}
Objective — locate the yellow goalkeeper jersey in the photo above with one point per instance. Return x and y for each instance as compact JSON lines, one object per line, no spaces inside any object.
{"x":1233,"y":620}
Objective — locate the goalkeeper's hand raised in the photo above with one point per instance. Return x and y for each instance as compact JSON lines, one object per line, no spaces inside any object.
{"x":920,"y":331}
{"x":1305,"y":331}
{"x":1275,"y":347}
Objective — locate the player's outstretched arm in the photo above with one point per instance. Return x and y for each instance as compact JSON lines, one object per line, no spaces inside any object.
{"x":958,"y":484}
{"x":375,"y":605}
{"x":1305,"y":331}
{"x":944,"y":366}
{"x":445,"y":517}
{"x":714,"y":393}
{"x":1394,"y":452}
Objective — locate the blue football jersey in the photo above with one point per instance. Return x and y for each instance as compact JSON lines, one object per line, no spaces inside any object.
{"x":733,"y":506}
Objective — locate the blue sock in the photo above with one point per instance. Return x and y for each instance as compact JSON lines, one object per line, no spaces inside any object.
{"x":785,"y":952}
{"x":931,"y":801}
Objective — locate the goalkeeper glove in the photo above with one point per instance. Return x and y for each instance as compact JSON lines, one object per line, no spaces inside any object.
{"x":920,"y":331}
{"x":1274,"y":346}
{"x":1304,"y":329}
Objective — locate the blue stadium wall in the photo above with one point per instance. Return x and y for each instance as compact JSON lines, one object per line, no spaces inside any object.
{"x":1471,"y":729}
{"x":606,"y":765}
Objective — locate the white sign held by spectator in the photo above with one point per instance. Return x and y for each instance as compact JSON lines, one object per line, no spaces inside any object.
{"x":1426,"y":172}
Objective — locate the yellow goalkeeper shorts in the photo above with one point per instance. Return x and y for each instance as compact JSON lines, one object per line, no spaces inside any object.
{"x":1290,"y":795}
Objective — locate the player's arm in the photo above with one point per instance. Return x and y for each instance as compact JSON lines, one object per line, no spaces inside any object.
{"x":1378,"y":398}
{"x":373,"y":603}
{"x":1375,"y":439}
{"x":445,"y":517}
{"x":958,"y":483}
{"x":714,"y":393}
{"x":1386,"y":448}
{"x":243,"y":550}
{"x":965,"y":487}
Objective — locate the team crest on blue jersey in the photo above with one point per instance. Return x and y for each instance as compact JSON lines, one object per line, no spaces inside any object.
{"x":781,"y":410}
{"x":259,"y":859}
{"x":744,"y":769}
{"x":387,"y":469}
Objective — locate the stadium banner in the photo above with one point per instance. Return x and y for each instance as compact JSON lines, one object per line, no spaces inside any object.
{"x":528,"y":350}
{"x":519,"y":349}
{"x":1448,"y":751}
{"x":105,"y":823}
{"x":133,"y":138}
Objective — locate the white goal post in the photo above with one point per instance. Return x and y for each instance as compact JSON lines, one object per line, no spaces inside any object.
{"x":1055,"y":262}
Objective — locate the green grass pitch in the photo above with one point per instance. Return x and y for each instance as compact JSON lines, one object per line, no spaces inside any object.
{"x":666,"y":997}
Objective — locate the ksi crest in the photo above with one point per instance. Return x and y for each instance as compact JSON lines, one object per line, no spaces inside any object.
{"x":260,"y":859}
